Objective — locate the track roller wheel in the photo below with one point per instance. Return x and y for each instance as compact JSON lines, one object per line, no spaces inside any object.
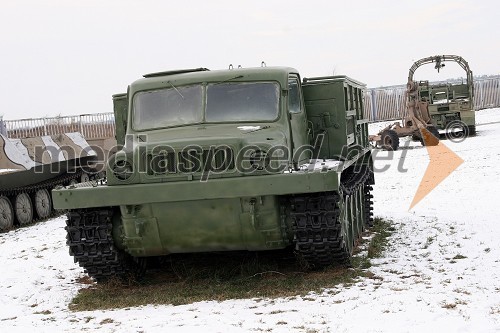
{"x":6,"y":214}
{"x":43,"y":203}
{"x":24,"y":208}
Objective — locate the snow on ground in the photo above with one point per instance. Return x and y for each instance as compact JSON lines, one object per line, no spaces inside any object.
{"x":487,"y":116}
{"x":441,"y":272}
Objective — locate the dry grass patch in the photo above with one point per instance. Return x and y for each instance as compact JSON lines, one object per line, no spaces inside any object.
{"x":184,"y":279}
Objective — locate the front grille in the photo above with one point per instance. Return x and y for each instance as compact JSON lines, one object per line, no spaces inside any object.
{"x":191,"y":160}
{"x":160,"y":164}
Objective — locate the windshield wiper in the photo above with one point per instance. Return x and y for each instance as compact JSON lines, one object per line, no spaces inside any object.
{"x":176,"y":89}
{"x":226,"y":80}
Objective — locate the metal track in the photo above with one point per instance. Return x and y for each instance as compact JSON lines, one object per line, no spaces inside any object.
{"x":316,"y":221}
{"x":90,"y":241}
{"x":368,"y":205}
{"x":317,"y":229}
{"x":352,"y":178}
{"x":48,"y":184}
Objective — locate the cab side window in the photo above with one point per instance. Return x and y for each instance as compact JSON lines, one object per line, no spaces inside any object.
{"x":294,"y":98}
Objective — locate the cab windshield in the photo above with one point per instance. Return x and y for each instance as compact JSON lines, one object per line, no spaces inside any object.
{"x":225,"y":102}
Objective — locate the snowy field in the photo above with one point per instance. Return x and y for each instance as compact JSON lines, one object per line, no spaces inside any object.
{"x":441,"y":272}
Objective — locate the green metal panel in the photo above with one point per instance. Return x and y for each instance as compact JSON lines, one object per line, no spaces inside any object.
{"x":334,"y":105}
{"x":298,"y":121}
{"x":120,"y":108}
{"x":227,"y":224}
{"x":277,"y":184}
{"x":142,"y":153}
{"x":448,"y":103}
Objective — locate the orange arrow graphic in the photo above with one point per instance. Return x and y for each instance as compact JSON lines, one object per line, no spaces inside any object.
{"x":442,"y":162}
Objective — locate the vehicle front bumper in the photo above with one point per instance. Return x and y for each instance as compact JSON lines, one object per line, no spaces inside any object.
{"x":91,"y":195}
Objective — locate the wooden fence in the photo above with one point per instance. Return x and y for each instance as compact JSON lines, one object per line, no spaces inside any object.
{"x":390,"y":102}
{"x":92,"y":126}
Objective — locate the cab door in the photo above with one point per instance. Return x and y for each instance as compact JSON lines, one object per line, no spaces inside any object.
{"x":301,"y":150}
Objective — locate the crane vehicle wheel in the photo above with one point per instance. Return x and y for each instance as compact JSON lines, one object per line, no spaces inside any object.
{"x":472,"y":130}
{"x":389,"y":140}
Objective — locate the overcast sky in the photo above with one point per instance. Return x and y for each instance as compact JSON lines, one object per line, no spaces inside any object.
{"x":65,"y":57}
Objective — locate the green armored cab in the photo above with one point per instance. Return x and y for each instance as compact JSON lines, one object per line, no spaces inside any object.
{"x":239,"y":159}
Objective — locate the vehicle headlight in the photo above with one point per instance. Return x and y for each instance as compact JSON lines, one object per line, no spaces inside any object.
{"x":122,"y":170}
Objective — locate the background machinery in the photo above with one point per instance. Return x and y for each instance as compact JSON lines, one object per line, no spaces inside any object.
{"x":433,"y":107}
{"x":31,"y":167}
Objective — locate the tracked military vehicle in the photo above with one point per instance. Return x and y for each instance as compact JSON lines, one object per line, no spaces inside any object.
{"x":240,"y":159}
{"x":31,"y":167}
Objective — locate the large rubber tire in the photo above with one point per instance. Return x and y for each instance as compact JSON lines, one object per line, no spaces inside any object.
{"x":457,"y":131}
{"x":429,"y":137}
{"x":6,"y":214}
{"x":43,"y":203}
{"x":472,"y":130}
{"x":24,"y":208}
{"x":389,"y":140}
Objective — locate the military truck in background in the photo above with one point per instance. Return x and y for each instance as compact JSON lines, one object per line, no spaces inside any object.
{"x":239,"y":159}
{"x":31,"y":167}
{"x":450,"y":104}
{"x":433,"y":109}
